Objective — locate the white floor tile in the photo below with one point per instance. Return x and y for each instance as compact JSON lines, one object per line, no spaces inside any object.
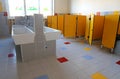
{"x":77,"y":66}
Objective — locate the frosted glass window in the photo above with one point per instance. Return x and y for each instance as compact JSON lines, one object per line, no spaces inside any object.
{"x":46,"y":7}
{"x":16,"y":7}
{"x":32,"y":7}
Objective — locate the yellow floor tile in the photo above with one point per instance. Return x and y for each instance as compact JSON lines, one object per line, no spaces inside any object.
{"x":98,"y":76}
{"x":87,"y":49}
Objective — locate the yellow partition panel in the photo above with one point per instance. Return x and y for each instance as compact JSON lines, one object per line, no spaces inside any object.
{"x":98,"y":27}
{"x":116,"y":12}
{"x":70,"y":26}
{"x":54,"y":22}
{"x":91,"y":29}
{"x":49,"y":21}
{"x":119,"y":28}
{"x":1,"y":9}
{"x":81,"y":24}
{"x":110,"y":30}
{"x":87,"y":27}
{"x":60,"y":22}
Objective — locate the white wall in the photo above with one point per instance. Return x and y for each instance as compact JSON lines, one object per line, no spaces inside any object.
{"x":92,"y":6}
{"x":61,"y":6}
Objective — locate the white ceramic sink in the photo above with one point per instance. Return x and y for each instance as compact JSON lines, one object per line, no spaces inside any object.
{"x":22,"y":35}
{"x":51,"y":34}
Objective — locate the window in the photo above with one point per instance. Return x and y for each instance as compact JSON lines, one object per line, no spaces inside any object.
{"x":45,"y":7}
{"x":30,"y":7}
{"x":16,"y":8}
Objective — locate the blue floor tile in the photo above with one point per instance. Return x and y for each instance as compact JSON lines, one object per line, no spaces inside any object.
{"x":87,"y":57}
{"x":63,"y":48}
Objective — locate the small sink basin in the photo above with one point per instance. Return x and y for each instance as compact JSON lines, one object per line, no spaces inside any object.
{"x":22,"y":35}
{"x":51,"y":34}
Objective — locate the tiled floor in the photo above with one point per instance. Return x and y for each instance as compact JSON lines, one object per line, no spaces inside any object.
{"x":84,"y":62}
{"x":8,"y":66}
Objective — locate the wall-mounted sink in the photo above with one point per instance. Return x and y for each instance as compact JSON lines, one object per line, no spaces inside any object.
{"x":51,"y":34}
{"x":22,"y":35}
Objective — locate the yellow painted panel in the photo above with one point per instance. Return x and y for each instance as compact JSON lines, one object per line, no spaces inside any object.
{"x":60,"y":22}
{"x":1,"y":9}
{"x":70,"y":26}
{"x":110,"y":30}
{"x":49,"y":21}
{"x":119,"y":28}
{"x":98,"y":76}
{"x":98,"y":27}
{"x":91,"y":29}
{"x":54,"y":22}
{"x":116,"y":13}
{"x":87,"y":27}
{"x":81,"y":24}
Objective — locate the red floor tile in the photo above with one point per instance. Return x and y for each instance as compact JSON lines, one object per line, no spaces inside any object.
{"x":10,"y":55}
{"x":67,"y":43}
{"x":118,"y":62}
{"x":62,"y":59}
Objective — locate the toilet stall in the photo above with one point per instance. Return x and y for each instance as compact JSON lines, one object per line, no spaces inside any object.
{"x":81,"y":25}
{"x":60,"y":19}
{"x":110,"y":31}
{"x":54,"y":22}
{"x":118,"y":29}
{"x":49,"y":21}
{"x":87,"y":27}
{"x":94,"y":28}
{"x":70,"y":26}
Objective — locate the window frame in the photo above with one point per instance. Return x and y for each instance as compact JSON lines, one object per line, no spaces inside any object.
{"x":25,"y":11}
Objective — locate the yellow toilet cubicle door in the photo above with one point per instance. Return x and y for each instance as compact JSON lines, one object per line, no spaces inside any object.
{"x":91,"y":29}
{"x":98,"y":27}
{"x":60,"y":22}
{"x":119,"y":28}
{"x":49,"y":21}
{"x":117,"y":13}
{"x":70,"y":26}
{"x":110,"y":30}
{"x":1,"y":9}
{"x":81,"y":25}
{"x":54,"y":22}
{"x":87,"y":27}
